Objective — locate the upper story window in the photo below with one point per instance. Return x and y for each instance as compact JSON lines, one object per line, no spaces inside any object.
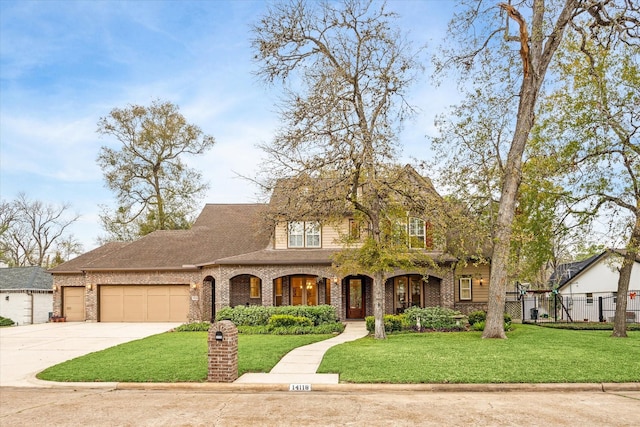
{"x":304,"y":234}
{"x":417,"y":233}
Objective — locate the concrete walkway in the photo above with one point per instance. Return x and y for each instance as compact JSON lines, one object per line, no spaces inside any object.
{"x":299,"y":366}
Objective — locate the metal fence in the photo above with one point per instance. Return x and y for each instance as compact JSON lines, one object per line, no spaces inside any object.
{"x":548,"y":307}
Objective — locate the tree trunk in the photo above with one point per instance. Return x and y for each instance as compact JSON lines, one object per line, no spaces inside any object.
{"x":494,"y":327}
{"x":620,"y":322}
{"x":378,"y":305}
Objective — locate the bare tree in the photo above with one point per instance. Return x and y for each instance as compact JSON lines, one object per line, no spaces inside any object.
{"x":31,"y":228}
{"x":345,"y":69}
{"x":541,"y":26}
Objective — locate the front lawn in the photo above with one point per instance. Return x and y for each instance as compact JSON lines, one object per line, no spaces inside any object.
{"x":531,"y":354}
{"x":173,"y":357}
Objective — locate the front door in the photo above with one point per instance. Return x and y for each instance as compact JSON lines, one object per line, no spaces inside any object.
{"x":355,"y":299}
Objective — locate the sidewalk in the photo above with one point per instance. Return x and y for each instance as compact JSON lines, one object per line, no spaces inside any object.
{"x":299,"y":366}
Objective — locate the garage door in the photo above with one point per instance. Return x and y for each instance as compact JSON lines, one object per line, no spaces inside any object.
{"x":144,"y":303}
{"x":73,"y":303}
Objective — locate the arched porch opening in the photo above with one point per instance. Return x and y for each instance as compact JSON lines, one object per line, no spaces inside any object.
{"x":209,"y":296}
{"x":245,"y":289}
{"x":412,"y":290}
{"x":301,"y":289}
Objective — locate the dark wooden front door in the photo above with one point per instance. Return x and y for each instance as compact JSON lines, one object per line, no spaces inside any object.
{"x":355,"y":299}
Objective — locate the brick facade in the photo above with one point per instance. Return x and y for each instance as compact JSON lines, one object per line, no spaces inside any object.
{"x":230,"y":286}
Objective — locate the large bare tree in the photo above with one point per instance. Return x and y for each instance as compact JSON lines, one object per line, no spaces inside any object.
{"x":345,"y":69}
{"x":539,"y":29}
{"x":154,"y":188}
{"x":31,"y":229}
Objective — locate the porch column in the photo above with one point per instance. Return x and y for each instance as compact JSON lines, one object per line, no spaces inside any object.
{"x":223,"y":290}
{"x":336,"y":297}
{"x":447,"y":287}
{"x":267,"y":291}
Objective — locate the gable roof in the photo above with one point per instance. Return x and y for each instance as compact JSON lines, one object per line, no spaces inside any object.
{"x":220,"y":231}
{"x":564,"y":273}
{"x":25,"y":278}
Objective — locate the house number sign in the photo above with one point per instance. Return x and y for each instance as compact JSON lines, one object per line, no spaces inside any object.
{"x":299,"y":387}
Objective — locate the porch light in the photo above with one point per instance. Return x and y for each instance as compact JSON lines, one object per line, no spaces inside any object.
{"x":480,"y":280}
{"x":194,"y":285}
{"x":335,"y":280}
{"x":89,"y":286}
{"x":54,"y":288}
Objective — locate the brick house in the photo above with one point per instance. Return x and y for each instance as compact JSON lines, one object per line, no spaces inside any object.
{"x":233,"y":256}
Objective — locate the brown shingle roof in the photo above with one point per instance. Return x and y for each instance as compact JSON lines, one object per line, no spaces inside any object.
{"x":221,"y":230}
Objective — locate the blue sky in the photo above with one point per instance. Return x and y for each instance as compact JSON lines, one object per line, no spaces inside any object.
{"x":63,"y":65}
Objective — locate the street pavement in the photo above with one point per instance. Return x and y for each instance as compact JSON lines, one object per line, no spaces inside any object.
{"x":377,"y":406}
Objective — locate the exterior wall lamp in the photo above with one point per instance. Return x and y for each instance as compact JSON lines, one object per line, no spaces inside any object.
{"x":54,"y":288}
{"x":89,"y":286}
{"x":481,"y":282}
{"x":219,"y":336}
{"x":194,"y":286}
{"x":335,"y":280}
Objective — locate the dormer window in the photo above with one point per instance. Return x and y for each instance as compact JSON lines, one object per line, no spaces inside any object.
{"x":304,"y":234}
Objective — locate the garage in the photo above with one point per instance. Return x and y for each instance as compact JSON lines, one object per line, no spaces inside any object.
{"x":134,"y":303}
{"x":73,"y":303}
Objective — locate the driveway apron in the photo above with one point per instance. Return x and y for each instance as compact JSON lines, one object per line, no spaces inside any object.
{"x":27,"y":350}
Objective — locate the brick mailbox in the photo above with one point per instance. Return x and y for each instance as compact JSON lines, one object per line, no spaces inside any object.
{"x":223,"y":352}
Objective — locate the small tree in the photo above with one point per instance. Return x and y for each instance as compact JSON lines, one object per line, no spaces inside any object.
{"x":154,"y":189}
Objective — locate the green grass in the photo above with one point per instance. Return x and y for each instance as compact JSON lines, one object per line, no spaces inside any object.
{"x":530,"y":355}
{"x":172,"y":357}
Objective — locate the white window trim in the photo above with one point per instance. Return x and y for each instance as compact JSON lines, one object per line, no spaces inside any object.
{"x":305,"y":227}
{"x":467,"y":281}
{"x":412,"y":232}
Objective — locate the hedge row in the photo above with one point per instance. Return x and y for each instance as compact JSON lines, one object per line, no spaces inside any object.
{"x":257,"y":315}
{"x":421,"y":319}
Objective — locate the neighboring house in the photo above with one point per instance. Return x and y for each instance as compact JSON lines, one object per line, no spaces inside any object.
{"x":589,"y":288}
{"x":26,"y":296}
{"x":233,"y":256}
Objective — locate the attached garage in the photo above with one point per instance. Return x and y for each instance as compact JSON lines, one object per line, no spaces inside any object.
{"x":73,"y":303}
{"x":134,"y":303}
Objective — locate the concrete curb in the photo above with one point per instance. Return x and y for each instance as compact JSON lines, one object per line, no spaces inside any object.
{"x":376,"y":388}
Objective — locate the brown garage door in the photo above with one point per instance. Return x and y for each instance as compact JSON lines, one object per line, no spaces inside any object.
{"x":73,"y":303}
{"x":133,"y":303}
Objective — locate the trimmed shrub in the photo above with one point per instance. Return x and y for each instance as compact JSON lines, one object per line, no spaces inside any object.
{"x":433,"y":318}
{"x":287,"y":320}
{"x":392,"y":323}
{"x":327,"y":328}
{"x":5,"y":321}
{"x":477,"y":316}
{"x":257,"y":315}
{"x":478,"y":326}
{"x":193,"y":327}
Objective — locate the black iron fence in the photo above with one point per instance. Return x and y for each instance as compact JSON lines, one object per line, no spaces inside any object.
{"x":549,"y":307}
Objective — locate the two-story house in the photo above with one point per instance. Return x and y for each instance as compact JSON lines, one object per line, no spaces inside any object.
{"x":234,"y":256}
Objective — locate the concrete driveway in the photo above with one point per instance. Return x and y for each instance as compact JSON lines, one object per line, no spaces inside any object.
{"x":27,"y":350}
